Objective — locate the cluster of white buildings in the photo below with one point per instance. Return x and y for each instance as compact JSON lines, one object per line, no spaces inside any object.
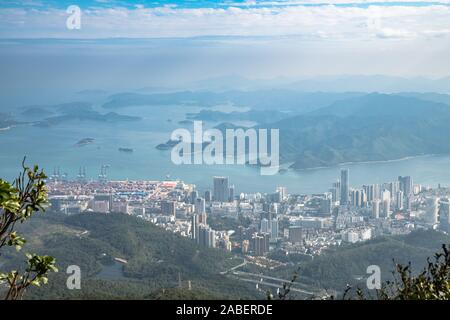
{"x":294,"y":223}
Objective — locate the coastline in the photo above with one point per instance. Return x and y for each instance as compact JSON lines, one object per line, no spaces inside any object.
{"x":367,"y":162}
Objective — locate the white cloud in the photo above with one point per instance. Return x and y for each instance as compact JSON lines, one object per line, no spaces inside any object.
{"x":320,"y":2}
{"x":320,"y":22}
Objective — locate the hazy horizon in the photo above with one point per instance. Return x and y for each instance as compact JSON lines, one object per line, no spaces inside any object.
{"x":135,"y":44}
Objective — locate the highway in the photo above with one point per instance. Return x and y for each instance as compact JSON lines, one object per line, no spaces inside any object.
{"x":244,"y":276}
{"x":235,"y":267}
{"x":260,"y":276}
{"x":265,"y":277}
{"x":241,"y":274}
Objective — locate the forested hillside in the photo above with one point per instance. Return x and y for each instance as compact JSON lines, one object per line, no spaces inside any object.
{"x":157,"y":259}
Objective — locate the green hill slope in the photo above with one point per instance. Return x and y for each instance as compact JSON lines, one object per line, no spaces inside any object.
{"x":156,"y":259}
{"x":347,"y":265}
{"x":376,"y":127}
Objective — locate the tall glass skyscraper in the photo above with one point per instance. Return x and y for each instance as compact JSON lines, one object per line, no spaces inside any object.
{"x":406,"y":185}
{"x":344,"y":186}
{"x":221,"y":189}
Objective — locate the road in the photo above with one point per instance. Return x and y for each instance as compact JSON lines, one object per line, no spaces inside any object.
{"x":269,"y":284}
{"x":260,"y":276}
{"x":235,"y":267}
{"x":241,"y":274}
{"x":264,"y":276}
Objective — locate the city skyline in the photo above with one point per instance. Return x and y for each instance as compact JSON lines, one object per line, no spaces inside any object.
{"x":377,"y":198}
{"x":224,"y":150}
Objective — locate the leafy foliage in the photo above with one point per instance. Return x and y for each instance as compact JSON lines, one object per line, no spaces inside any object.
{"x":340,"y":266}
{"x":156,"y":258}
{"x":409,"y":281}
{"x":18,"y":202}
{"x":432,"y":283}
{"x":226,"y":223}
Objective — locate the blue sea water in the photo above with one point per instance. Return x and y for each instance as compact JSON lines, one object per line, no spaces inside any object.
{"x":55,"y":147}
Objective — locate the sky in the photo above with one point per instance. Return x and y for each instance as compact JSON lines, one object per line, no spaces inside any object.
{"x":151,"y":43}
{"x":310,"y":19}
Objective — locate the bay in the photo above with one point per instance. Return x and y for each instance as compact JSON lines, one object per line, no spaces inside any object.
{"x":54,"y":147}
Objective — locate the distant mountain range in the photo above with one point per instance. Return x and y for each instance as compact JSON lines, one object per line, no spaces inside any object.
{"x":258,"y":116}
{"x":373,"y":127}
{"x":316,"y":128}
{"x":49,"y":115}
{"x":325,"y":129}
{"x":281,"y":100}
{"x":371,"y":83}
{"x":339,"y":83}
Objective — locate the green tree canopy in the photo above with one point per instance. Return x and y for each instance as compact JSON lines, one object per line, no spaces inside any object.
{"x":18,"y":202}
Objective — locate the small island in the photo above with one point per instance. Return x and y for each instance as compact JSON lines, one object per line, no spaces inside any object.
{"x":126,"y":150}
{"x":84,"y":142}
{"x":168,"y":145}
{"x":6,"y":122}
{"x":172,"y":143}
{"x":185,"y":122}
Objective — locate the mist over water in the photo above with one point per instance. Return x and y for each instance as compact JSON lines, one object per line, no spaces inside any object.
{"x":54,"y":147}
{"x":53,"y":71}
